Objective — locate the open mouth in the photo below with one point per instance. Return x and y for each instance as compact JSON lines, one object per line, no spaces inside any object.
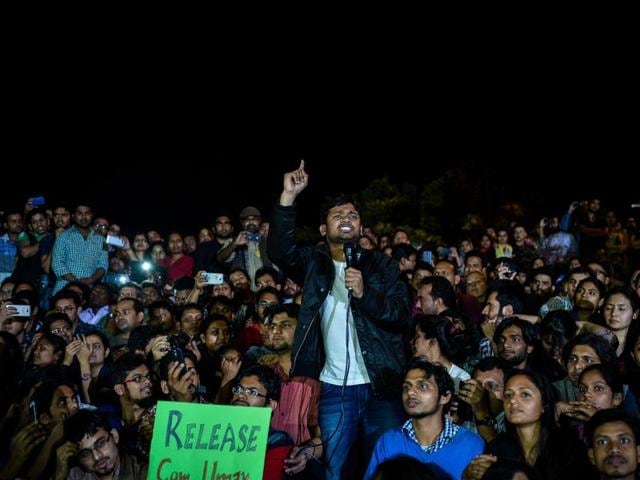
{"x":615,"y":460}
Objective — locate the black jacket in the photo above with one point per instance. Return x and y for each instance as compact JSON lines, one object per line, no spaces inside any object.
{"x":382,"y":316}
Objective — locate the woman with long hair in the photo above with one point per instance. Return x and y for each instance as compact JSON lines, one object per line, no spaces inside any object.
{"x":531,"y":436}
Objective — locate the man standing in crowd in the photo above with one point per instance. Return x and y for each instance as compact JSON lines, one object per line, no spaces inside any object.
{"x":78,"y":253}
{"x":357,"y":303}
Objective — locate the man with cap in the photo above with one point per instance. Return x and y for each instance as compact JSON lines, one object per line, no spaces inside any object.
{"x":249,"y":246}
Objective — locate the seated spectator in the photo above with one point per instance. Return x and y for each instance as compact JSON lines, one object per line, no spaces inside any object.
{"x":92,"y":445}
{"x":429,"y":435}
{"x":614,"y":446}
{"x":259,"y":386}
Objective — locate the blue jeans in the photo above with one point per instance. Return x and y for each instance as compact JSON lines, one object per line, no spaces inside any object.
{"x":362,"y":412}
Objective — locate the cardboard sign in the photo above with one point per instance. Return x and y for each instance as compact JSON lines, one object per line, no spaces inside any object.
{"x":208,"y":442}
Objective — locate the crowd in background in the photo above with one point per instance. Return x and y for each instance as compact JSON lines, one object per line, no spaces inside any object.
{"x":521,"y":345}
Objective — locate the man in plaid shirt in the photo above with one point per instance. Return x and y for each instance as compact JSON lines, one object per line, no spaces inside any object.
{"x":78,"y":253}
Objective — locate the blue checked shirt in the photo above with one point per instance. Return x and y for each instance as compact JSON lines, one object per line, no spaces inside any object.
{"x":449,"y":431}
{"x":73,"y":254}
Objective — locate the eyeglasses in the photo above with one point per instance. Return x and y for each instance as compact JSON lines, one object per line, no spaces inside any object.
{"x":66,"y":308}
{"x":264,"y":303}
{"x":86,"y":453}
{"x":138,"y":378}
{"x":250,"y":391}
{"x":58,"y":331}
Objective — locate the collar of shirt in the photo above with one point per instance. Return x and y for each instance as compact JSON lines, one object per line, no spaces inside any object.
{"x":449,"y":431}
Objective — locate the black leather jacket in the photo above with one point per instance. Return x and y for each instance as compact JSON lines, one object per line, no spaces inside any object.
{"x":382,"y":316}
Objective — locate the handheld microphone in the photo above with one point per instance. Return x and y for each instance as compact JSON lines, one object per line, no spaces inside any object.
{"x":349,"y":251}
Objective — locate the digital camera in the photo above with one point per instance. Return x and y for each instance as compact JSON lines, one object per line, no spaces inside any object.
{"x":253,"y":237}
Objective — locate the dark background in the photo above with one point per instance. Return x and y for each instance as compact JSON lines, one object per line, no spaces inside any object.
{"x":162,"y":154}
{"x":193,"y":187}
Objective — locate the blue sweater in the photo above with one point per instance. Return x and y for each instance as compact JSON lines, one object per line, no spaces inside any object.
{"x":449,"y":462}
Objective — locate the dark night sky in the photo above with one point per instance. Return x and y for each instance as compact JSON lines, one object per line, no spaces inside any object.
{"x":536,"y":146}
{"x":187,"y":193}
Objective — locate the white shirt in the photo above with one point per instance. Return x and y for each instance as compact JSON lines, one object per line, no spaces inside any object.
{"x":334,"y":317}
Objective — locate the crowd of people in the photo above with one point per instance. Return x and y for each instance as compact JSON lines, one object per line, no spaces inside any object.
{"x":510,"y":353}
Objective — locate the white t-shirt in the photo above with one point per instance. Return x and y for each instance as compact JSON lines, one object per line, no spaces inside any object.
{"x":334,"y":316}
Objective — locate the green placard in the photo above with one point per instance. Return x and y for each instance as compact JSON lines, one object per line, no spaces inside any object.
{"x":208,"y":442}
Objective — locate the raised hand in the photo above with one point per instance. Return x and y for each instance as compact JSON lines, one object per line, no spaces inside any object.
{"x":293,"y":183}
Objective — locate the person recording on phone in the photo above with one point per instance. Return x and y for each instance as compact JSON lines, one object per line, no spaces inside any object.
{"x":248,"y":250}
{"x":354,"y":312}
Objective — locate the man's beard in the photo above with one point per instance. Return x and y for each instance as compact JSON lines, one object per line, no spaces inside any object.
{"x":146,"y":402}
{"x":283,"y":348}
{"x":515,"y":360}
{"x":427,"y":413}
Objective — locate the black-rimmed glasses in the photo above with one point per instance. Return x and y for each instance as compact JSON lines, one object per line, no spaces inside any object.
{"x":249,"y":391}
{"x":86,"y":453}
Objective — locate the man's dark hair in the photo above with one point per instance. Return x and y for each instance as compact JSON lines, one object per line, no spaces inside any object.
{"x":214,"y":317}
{"x":402,"y":250}
{"x":142,"y":335}
{"x":529,"y":334}
{"x":189,"y":306}
{"x":438,"y":373}
{"x":124,"y":365}
{"x":266,"y":376}
{"x":452,"y":341}
{"x":441,"y":288}
{"x":336,"y":201}
{"x":84,"y":423}
{"x":273,"y":291}
{"x":65,"y":294}
{"x":54,"y":317}
{"x":606,"y":353}
{"x":544,"y":270}
{"x":43,"y":394}
{"x":150,"y":284}
{"x":488,"y":363}
{"x":137,"y":304}
{"x":277,"y":277}
{"x":163,"y":304}
{"x":507,"y":293}
{"x":103,"y":338}
{"x":84,"y":288}
{"x":291,"y":309}
{"x":130,"y":284}
{"x":608,"y":416}
{"x":558,"y":324}
{"x":32,"y":212}
{"x":476,"y":254}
